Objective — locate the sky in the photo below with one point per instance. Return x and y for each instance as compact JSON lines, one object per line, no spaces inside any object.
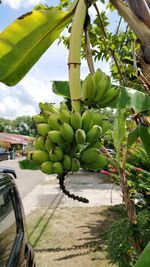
{"x":23,"y":98}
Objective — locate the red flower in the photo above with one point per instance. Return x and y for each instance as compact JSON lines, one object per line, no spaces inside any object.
{"x":104,"y":172}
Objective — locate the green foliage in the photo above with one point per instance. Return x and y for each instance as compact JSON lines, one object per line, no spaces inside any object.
{"x":24,"y":41}
{"x":28,"y":164}
{"x":120,"y":237}
{"x":138,"y":158}
{"x":144,"y":259}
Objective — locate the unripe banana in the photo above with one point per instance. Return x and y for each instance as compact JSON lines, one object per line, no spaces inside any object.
{"x":87,"y":120}
{"x":97,"y":145}
{"x":98,"y":75}
{"x":93,"y":134}
{"x":80,"y":136}
{"x":105,"y":126}
{"x":47,"y":167}
{"x":56,"y":154}
{"x":56,"y":138}
{"x":38,"y":144}
{"x":76,"y":120}
{"x":66,"y":132}
{"x":75,"y":165}
{"x":48,"y":106}
{"x":88,"y":87}
{"x":64,"y":116}
{"x":90,"y":155}
{"x":38,"y":118}
{"x":54,"y":122}
{"x":46,"y":114}
{"x":110,"y":96}
{"x":38,"y":156}
{"x":58,"y":167}
{"x":97,"y":118}
{"x":63,"y":106}
{"x":98,"y":164}
{"x":102,"y":88}
{"x":66,"y":163}
{"x":43,"y":129}
{"x":48,"y":145}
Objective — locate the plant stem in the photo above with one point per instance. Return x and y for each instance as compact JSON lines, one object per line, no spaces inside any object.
{"x":74,"y":55}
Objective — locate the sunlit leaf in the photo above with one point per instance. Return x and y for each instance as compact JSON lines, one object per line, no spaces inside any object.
{"x":24,"y":41}
{"x":130,"y":98}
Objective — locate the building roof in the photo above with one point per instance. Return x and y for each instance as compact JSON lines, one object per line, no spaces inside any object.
{"x":12,"y":138}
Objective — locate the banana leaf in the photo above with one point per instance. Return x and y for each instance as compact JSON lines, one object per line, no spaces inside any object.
{"x":144,"y":133}
{"x":24,"y":41}
{"x":26,"y":164}
{"x":144,"y":258}
{"x":61,"y":88}
{"x":131,"y":98}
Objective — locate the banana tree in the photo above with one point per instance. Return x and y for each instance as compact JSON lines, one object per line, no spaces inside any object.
{"x":23,"y":43}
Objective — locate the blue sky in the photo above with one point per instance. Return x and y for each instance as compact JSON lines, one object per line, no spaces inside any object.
{"x":23,"y":98}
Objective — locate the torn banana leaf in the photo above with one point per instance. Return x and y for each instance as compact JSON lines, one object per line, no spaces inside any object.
{"x":24,"y":41}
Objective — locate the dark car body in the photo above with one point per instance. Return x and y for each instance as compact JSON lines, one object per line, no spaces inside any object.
{"x":15,"y":250}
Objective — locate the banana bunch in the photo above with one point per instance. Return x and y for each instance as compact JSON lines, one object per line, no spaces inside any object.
{"x":67,"y":140}
{"x":97,"y":90}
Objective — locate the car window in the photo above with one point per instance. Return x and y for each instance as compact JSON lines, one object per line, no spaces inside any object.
{"x":7,"y":227}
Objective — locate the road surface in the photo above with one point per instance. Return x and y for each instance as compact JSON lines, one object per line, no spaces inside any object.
{"x":26,"y":179}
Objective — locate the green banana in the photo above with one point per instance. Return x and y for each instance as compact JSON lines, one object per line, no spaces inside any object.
{"x":54,"y":122}
{"x":98,"y":75}
{"x":89,"y":155}
{"x":64,"y":116}
{"x":46,"y":114}
{"x":38,"y":156}
{"x":43,"y":129}
{"x":38,"y":118}
{"x":58,"y":167}
{"x":66,"y":163}
{"x":56,"y":138}
{"x":93,"y":134}
{"x":80,"y":136}
{"x":97,"y":165}
{"x":49,"y":107}
{"x":63,"y":106}
{"x":75,"y":165}
{"x":47,"y":167}
{"x":97,"y":145}
{"x":38,"y":143}
{"x":97,"y":118}
{"x":109,"y":97}
{"x":76,"y":120}
{"x":102,"y":88}
{"x":87,"y":120}
{"x":105,"y":126}
{"x":66,"y":132}
{"x":88,"y":87}
{"x":56,"y":154}
{"x":48,"y":145}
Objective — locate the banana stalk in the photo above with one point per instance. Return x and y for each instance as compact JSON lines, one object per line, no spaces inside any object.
{"x":74,"y":55}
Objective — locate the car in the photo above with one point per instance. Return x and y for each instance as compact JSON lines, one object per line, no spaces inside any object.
{"x":15,"y":249}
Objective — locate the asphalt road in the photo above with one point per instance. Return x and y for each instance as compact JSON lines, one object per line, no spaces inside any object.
{"x":26,"y":179}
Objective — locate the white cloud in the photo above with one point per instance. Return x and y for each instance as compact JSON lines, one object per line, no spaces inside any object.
{"x":16,"y":4}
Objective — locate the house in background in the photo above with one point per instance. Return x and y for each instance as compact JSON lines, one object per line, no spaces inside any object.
{"x":12,"y":145}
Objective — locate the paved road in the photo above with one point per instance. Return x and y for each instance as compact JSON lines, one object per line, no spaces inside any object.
{"x":40,"y":190}
{"x":26,"y":179}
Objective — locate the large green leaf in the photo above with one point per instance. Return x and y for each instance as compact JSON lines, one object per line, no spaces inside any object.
{"x":145,"y":138}
{"x":24,"y":41}
{"x":144,"y":259}
{"x":132,"y":137}
{"x":61,"y":88}
{"x":131,"y":98}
